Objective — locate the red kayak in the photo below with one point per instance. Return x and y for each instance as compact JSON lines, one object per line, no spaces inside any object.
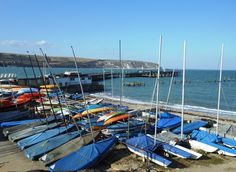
{"x":34,"y":95}
{"x":6,"y":103}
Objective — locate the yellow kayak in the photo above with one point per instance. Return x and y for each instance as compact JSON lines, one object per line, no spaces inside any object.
{"x":92,"y":111}
{"x":48,"y":86}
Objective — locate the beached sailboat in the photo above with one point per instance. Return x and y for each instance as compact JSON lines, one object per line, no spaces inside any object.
{"x":30,"y":131}
{"x":214,"y":141}
{"x":36,"y":138}
{"x":36,"y":151}
{"x":145,"y":147}
{"x":67,"y":148}
{"x":85,"y":157}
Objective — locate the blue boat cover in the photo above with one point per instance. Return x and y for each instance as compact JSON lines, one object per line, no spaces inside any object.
{"x":75,"y":96}
{"x":176,"y":151}
{"x":36,"y":138}
{"x":86,"y":121}
{"x":13,"y":115}
{"x":27,"y":90}
{"x":143,"y":142}
{"x":91,"y":106}
{"x":204,"y":136}
{"x":145,"y":145}
{"x":168,"y":123}
{"x":21,"y":122}
{"x":212,"y":140}
{"x":228,"y":141}
{"x":167,"y":115}
{"x":94,"y":106}
{"x":84,"y":157}
{"x":37,"y":150}
{"x":132,"y":123}
{"x":189,"y":127}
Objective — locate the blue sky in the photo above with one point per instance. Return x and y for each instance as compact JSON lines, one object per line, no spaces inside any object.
{"x":94,"y":27}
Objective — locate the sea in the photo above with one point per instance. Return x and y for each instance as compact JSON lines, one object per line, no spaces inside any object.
{"x":201,"y":88}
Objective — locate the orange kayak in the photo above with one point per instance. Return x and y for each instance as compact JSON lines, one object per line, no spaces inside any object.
{"x":48,"y":86}
{"x":5,"y":103}
{"x":95,"y":128}
{"x":116,"y":118}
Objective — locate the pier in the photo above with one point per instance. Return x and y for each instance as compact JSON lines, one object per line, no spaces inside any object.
{"x":96,"y":77}
{"x":148,"y":74}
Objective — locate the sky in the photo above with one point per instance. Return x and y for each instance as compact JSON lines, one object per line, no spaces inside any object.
{"x":94,"y":28}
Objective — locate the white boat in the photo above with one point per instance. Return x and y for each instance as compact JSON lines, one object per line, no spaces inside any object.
{"x":202,"y":146}
{"x":195,"y":155}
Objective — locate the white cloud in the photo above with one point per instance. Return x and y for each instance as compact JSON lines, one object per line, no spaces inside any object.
{"x":16,"y":43}
{"x":13,"y":43}
{"x":41,"y":43}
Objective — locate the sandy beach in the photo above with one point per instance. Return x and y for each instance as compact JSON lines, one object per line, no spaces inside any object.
{"x":120,"y":159}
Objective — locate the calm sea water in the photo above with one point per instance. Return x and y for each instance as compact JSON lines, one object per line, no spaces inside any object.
{"x":201,"y":88}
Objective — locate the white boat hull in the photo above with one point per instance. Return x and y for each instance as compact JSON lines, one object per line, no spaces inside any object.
{"x":196,"y":155}
{"x":146,"y":157}
{"x":202,"y":146}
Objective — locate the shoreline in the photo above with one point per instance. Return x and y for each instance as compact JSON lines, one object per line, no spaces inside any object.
{"x":187,"y":112}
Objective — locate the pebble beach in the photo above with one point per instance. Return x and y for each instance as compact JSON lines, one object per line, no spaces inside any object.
{"x":120,"y":159}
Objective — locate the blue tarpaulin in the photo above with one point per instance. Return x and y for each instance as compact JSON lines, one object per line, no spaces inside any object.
{"x":189,"y":127}
{"x":37,"y":150}
{"x":84,"y":157}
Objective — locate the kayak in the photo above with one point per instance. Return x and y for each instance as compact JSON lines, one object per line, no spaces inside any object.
{"x":117,"y":118}
{"x":114,"y":115}
{"x":92,"y":111}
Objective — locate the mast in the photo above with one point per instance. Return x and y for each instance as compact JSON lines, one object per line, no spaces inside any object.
{"x":31,"y":63}
{"x":122,"y":83}
{"x":104,"y":82}
{"x":183,"y":85}
{"x":120,"y":72}
{"x":219,"y":90}
{"x":170,"y":87}
{"x":82,"y":91}
{"x":56,"y":83}
{"x":158,"y":87}
{"x":153,"y":94}
{"x":44,"y":83}
{"x":112,"y":91}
